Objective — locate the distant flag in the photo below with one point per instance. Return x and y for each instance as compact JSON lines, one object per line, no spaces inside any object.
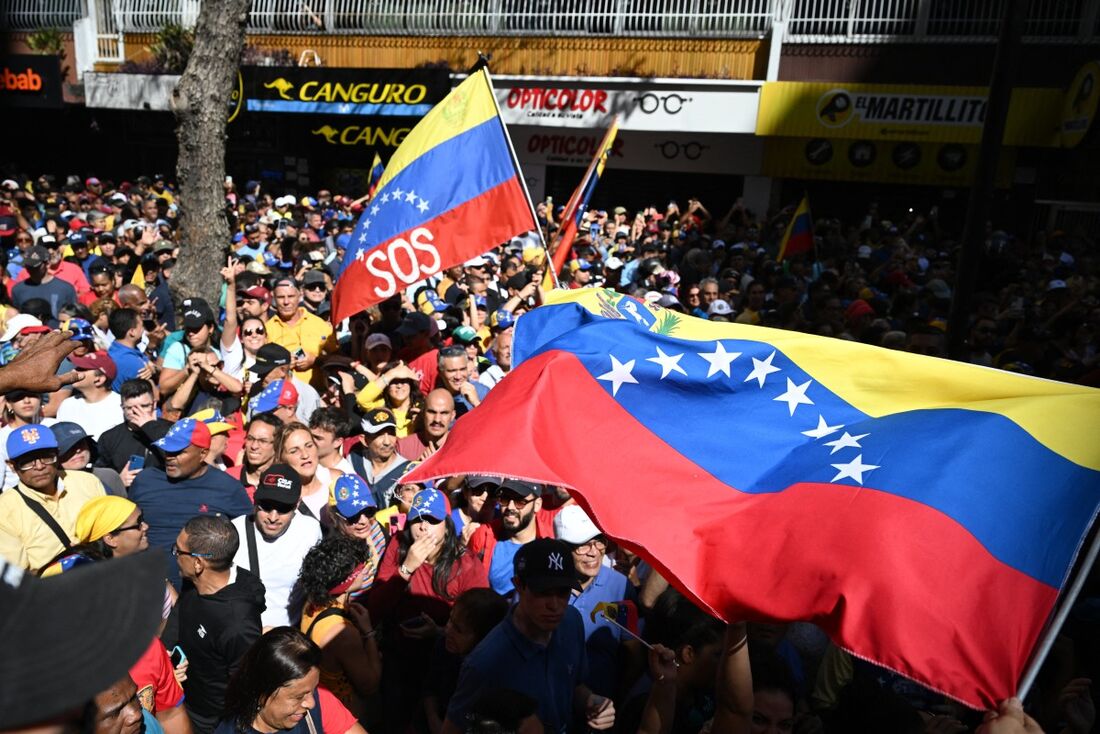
{"x":451,"y":192}
{"x":376,"y":170}
{"x":578,"y":204}
{"x":924,"y":513}
{"x":799,"y":236}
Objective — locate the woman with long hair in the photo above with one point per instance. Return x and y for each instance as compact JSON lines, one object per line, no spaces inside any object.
{"x":350,"y":666}
{"x":275,"y":689}
{"x":20,"y":408}
{"x":297,"y":449}
{"x":398,"y":389}
{"x":352,"y":512}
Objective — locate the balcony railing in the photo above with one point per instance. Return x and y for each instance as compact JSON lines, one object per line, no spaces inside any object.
{"x":810,"y":21}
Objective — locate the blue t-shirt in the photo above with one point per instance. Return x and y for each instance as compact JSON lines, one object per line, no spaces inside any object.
{"x":602,"y":637}
{"x":168,"y":504}
{"x":128,"y":362}
{"x":501,"y":569}
{"x":506,"y":659}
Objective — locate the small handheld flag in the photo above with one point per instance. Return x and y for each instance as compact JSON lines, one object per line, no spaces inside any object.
{"x":376,"y":171}
{"x":799,"y":236}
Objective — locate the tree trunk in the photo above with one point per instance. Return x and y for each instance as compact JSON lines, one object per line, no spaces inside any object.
{"x":201,"y":105}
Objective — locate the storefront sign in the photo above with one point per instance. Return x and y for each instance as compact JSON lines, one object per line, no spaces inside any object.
{"x":320,"y":90}
{"x":881,"y":112}
{"x":898,"y":162}
{"x":1079,"y":107}
{"x":640,"y":106}
{"x":30,"y":81}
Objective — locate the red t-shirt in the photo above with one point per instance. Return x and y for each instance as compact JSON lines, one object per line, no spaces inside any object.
{"x":395,"y":599}
{"x":426,"y":365}
{"x":335,"y":717}
{"x":158,"y":689}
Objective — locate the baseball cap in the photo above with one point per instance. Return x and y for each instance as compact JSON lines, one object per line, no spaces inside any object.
{"x":428,"y":503}
{"x":378,"y":340}
{"x":17,"y":323}
{"x":184,"y":433}
{"x":67,"y":434}
{"x":575,"y":265}
{"x":162,"y":246}
{"x":313,"y":276}
{"x":415,"y":323}
{"x":719,"y":308}
{"x":257,"y":291}
{"x":573,"y":525}
{"x":278,"y":393}
{"x":480,"y":480}
{"x":214,"y":420}
{"x":544,"y":564}
{"x":81,"y":329}
{"x":52,"y":665}
{"x":502,"y":319}
{"x":429,"y":302}
{"x":620,"y":210}
{"x":476,"y":262}
{"x":1056,"y":285}
{"x":270,"y":356}
{"x":96,"y":361}
{"x":613,"y":263}
{"x":351,"y":495}
{"x":279,"y":484}
{"x":31,"y":437}
{"x":378,"y":420}
{"x":36,"y":255}
{"x":196,"y":313}
{"x":464,"y":334}
{"x":857,"y":308}
{"x":520,"y":487}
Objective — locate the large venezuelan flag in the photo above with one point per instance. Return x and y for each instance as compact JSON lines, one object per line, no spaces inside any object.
{"x":799,"y":236}
{"x":924,"y":512}
{"x":449,"y":193}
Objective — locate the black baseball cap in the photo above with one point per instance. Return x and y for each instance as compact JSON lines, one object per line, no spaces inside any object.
{"x":197,"y":313}
{"x":36,"y":256}
{"x":415,"y":323}
{"x":71,"y":636}
{"x":520,"y":487}
{"x":270,"y":356}
{"x":545,"y":564}
{"x":279,"y":484}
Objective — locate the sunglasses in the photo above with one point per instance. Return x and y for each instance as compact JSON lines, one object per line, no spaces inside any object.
{"x":136,"y":526}
{"x":177,"y":553}
{"x":506,"y":498}
{"x":364,"y":513}
{"x":315,"y":287}
{"x":254,"y":332}
{"x":278,"y":507}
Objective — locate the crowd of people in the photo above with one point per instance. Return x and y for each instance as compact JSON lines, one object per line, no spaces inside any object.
{"x":302,"y":586}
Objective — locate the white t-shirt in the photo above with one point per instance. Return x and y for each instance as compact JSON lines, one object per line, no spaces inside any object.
{"x":94,"y":418}
{"x":280,"y":561}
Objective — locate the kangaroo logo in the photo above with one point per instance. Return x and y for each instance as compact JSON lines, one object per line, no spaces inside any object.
{"x":329,"y":132}
{"x":282,"y":86}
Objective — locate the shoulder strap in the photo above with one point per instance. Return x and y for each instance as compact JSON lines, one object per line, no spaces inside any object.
{"x":315,"y":711}
{"x":250,"y":538}
{"x":330,"y":612}
{"x":304,"y":509}
{"x":47,"y":518}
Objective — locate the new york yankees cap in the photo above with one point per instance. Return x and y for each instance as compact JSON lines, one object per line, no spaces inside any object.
{"x":545,"y":564}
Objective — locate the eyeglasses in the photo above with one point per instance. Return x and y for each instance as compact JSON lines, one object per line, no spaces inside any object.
{"x":177,"y":553}
{"x":23,"y":464}
{"x":279,"y":507}
{"x":136,"y":526}
{"x":254,"y":332}
{"x":596,"y":544}
{"x":506,"y":498}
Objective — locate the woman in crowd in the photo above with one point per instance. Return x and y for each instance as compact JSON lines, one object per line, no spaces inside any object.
{"x":253,"y":336}
{"x":21,"y":408}
{"x":352,"y":512}
{"x":332,"y":573}
{"x":275,"y":689}
{"x":297,"y":448}
{"x":398,"y":389}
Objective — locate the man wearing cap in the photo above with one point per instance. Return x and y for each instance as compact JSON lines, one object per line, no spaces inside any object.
{"x":55,"y":267}
{"x":580,"y":273}
{"x":315,"y":287}
{"x":37,"y":281}
{"x":498,"y":542}
{"x":433,"y":425}
{"x":304,"y":335}
{"x":187,"y":486}
{"x":278,"y":398}
{"x":377,"y":459}
{"x":38,"y":516}
{"x":274,"y":539}
{"x":273,"y":363}
{"x":598,"y":583}
{"x":418,"y":332}
{"x":220,"y":430}
{"x":96,"y":406}
{"x":253,"y":303}
{"x":537,"y":649}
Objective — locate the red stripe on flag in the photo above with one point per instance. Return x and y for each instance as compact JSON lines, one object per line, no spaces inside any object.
{"x":453,"y":237}
{"x":890,"y":579}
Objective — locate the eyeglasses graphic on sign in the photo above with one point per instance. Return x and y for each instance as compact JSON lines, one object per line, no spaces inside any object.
{"x":671,"y":149}
{"x":672,"y":103}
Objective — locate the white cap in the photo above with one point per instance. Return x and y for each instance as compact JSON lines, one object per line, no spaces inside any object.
{"x":719,"y":308}
{"x":475,"y":262}
{"x":864,"y":251}
{"x":613,"y":263}
{"x":1056,"y":285}
{"x":286,"y":200}
{"x":16,"y":324}
{"x":574,"y":526}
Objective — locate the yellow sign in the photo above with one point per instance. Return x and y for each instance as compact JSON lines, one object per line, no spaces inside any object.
{"x":362,"y":135}
{"x":1079,"y":107}
{"x":886,"y":112}
{"x":876,"y":161}
{"x":236,"y":97}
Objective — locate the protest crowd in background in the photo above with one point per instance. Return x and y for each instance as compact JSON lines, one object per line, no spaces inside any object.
{"x":303,"y":587}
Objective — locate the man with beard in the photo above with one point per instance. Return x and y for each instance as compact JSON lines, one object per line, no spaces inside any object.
{"x":435,"y":423}
{"x":498,"y":542}
{"x":275,"y":539}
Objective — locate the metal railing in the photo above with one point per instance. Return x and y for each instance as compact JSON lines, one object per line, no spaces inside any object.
{"x":809,"y":21}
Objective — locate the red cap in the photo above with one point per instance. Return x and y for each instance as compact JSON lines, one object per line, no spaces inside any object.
{"x":96,"y":361}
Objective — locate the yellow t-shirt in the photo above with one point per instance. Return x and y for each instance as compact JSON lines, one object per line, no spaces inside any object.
{"x":311,"y":334}
{"x":27,"y":541}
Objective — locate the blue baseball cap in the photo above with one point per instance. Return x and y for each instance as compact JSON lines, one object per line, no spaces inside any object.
{"x":31,"y":437}
{"x":342,"y":241}
{"x":428,"y":503}
{"x":78,"y":238}
{"x":81,"y":329}
{"x":184,"y":433}
{"x":502,"y":319}
{"x":279,"y":392}
{"x":351,"y":495}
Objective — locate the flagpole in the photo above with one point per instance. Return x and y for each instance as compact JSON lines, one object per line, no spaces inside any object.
{"x":519,"y":171}
{"x":1043,"y":649}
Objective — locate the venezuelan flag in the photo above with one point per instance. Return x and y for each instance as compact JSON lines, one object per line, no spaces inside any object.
{"x":450,"y":192}
{"x":578,"y":204}
{"x":924,"y":512}
{"x":376,"y":171}
{"x":799,"y":236}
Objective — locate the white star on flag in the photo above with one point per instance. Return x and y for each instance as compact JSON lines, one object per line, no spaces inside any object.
{"x":363,"y":237}
{"x":385,"y":198}
{"x":846,"y":441}
{"x":397,"y":194}
{"x":422,"y":206}
{"x":619,"y":374}
{"x":669,"y":363}
{"x":374,"y":210}
{"x":719,"y":360}
{"x":366,"y":224}
{"x":823,"y":429}
{"x":761,"y":368}
{"x":854,"y":469}
{"x":410,"y":197}
{"x":795,"y":395}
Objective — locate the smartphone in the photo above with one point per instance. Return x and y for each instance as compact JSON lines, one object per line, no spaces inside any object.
{"x":594,"y":230}
{"x":136,"y":462}
{"x":300,"y":354}
{"x":177,"y":656}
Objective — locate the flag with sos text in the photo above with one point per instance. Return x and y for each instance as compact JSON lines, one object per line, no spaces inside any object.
{"x":450,"y":192}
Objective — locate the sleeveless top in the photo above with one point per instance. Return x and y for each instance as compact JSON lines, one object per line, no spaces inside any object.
{"x":317,"y":625}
